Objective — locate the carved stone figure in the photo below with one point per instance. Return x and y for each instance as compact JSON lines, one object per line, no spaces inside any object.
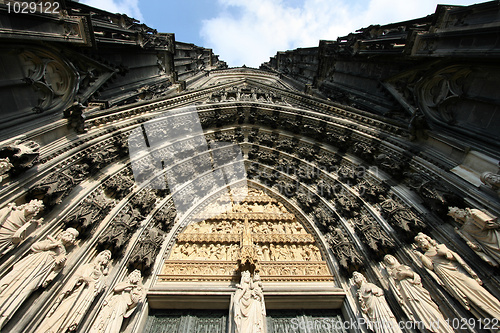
{"x":36,"y":270}
{"x":248,"y":310}
{"x":400,"y":216}
{"x":413,"y":297}
{"x":457,"y":277}
{"x":343,"y":248}
{"x":5,"y":166}
{"x":119,"y":230}
{"x":371,"y":233}
{"x":492,"y":180}
{"x":380,"y":318}
{"x":77,"y":296}
{"x":480,"y":231}
{"x":144,"y":253}
{"x":15,"y":222}
{"x":21,"y":155}
{"x":53,"y":188}
{"x":120,"y":304}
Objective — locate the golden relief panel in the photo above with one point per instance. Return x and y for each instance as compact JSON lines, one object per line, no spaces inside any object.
{"x":258,"y":231}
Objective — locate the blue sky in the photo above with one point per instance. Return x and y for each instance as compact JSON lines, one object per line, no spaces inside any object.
{"x":250,"y":31}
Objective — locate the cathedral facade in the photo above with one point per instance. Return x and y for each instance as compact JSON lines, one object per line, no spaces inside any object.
{"x":147,"y":187}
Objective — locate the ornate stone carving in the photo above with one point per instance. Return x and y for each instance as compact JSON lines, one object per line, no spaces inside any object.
{"x":413,"y":297}
{"x":365,"y":150}
{"x":166,"y":218}
{"x":56,"y":186}
{"x":144,"y":201}
{"x":341,"y":141}
{"x":145,"y":252}
{"x":343,"y":249}
{"x":323,"y":219}
{"x":38,"y":269}
{"x":451,"y":271}
{"x":326,"y":189}
{"x":371,"y":233}
{"x":435,"y":195}
{"x":347,"y":173}
{"x":118,"y":232}
{"x":492,"y":180}
{"x":481,"y":232}
{"x":401,"y":217}
{"x":248,"y":310}
{"x":119,"y":185}
{"x":307,"y":201}
{"x":16,"y":222}
{"x":371,"y":191}
{"x":77,"y":296}
{"x":88,"y":214}
{"x":19,"y":156}
{"x":393,"y":165}
{"x":258,"y":234}
{"x":349,"y":206}
{"x":5,"y":166}
{"x":120,"y":304}
{"x":286,"y":145}
{"x":76,"y":117}
{"x":374,"y":306}
{"x":97,"y":159}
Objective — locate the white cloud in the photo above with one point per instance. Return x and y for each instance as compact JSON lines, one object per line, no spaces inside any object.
{"x":129,"y":7}
{"x":249,"y":32}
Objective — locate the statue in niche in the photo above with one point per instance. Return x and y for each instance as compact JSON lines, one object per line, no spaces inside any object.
{"x":77,"y":296}
{"x":120,"y":304}
{"x":36,"y":270}
{"x":450,"y":270}
{"x":480,"y":231}
{"x":5,"y":166}
{"x":413,"y":297}
{"x":248,"y":311}
{"x":380,"y":318}
{"x":15,"y":222}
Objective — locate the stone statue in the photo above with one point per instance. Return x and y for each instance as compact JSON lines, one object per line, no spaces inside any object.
{"x":5,"y":166}
{"x":120,"y":304}
{"x":380,"y":318}
{"x":77,"y":296}
{"x":480,"y":231}
{"x":36,"y":270}
{"x":20,"y":155}
{"x":457,"y":277}
{"x":414,"y":298}
{"x":15,"y":222}
{"x":492,"y":180}
{"x":248,"y":310}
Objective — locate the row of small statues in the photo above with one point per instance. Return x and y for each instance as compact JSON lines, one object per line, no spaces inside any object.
{"x":226,"y":227}
{"x":44,"y":264}
{"x":229,"y":252}
{"x":244,"y":207}
{"x":449,"y":270}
